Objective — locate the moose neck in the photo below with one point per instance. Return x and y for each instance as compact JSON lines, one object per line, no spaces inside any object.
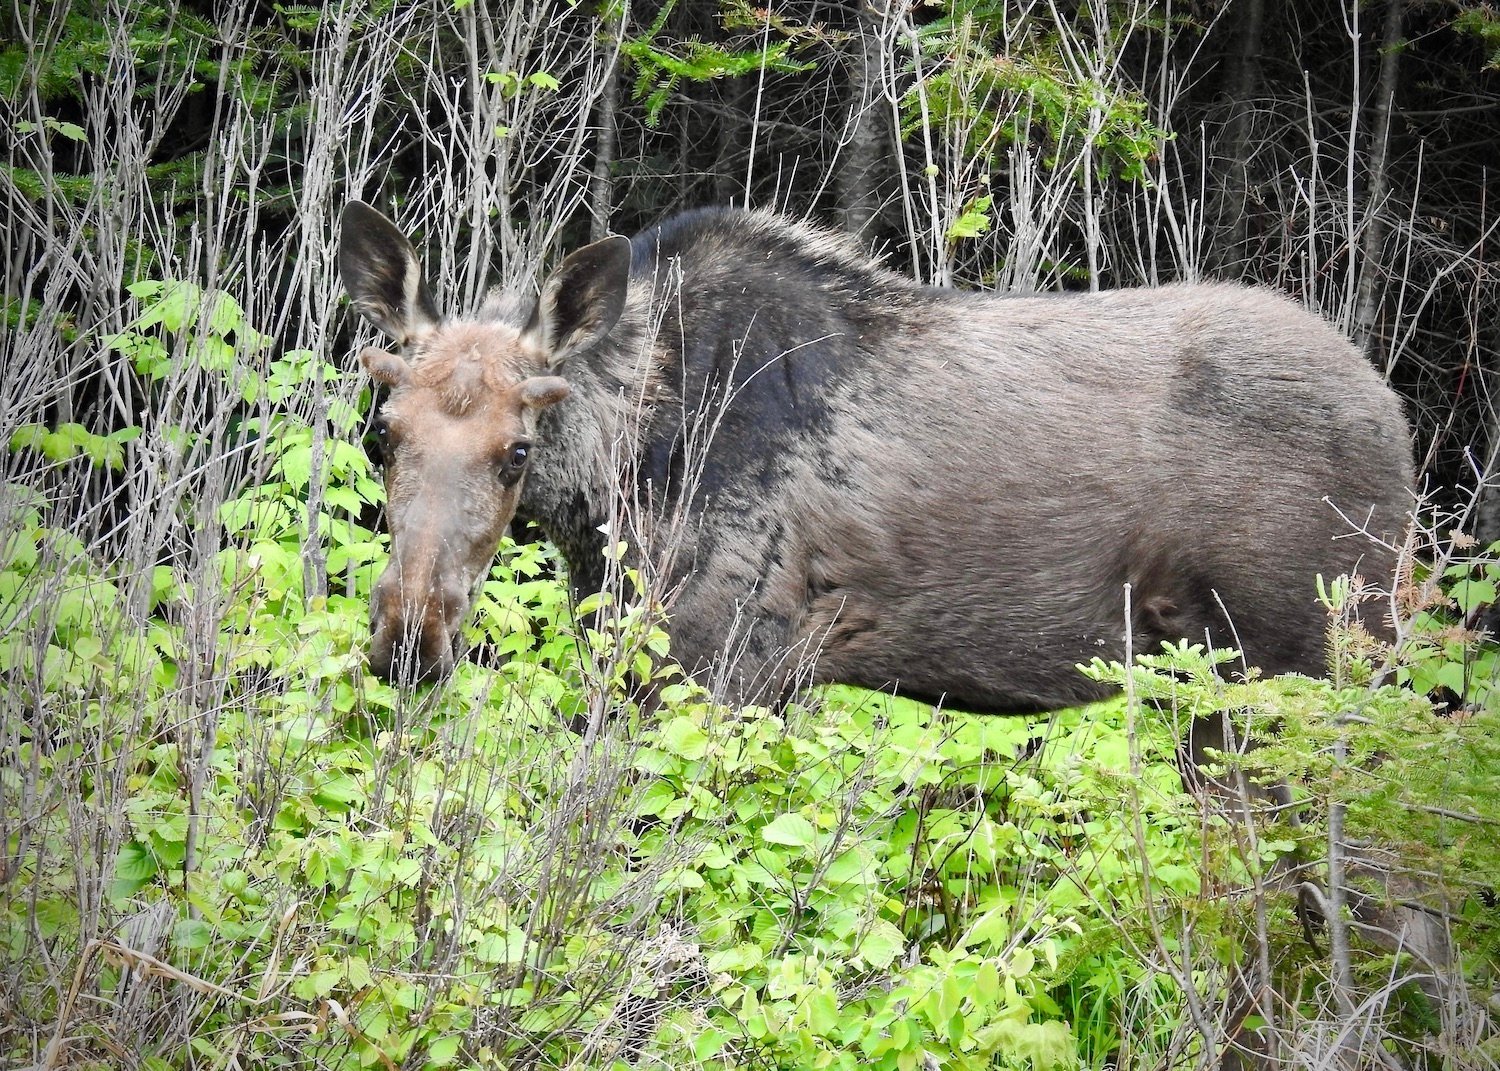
{"x":589,"y":444}
{"x":736,"y":326}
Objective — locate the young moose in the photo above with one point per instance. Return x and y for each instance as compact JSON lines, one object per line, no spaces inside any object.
{"x":940,"y":491}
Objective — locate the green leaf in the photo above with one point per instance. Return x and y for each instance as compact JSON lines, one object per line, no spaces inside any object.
{"x":357,"y":972}
{"x":71,"y":131}
{"x":443,"y":1051}
{"x":708,"y":1043}
{"x":881,"y":944}
{"x":682,"y":737}
{"x":500,"y":949}
{"x":853,"y":866}
{"x":142,"y":289}
{"x":790,"y":829}
{"x":656,"y":798}
{"x":1472,"y":595}
{"x":974,"y":221}
{"x":135,"y":866}
{"x":822,"y":1008}
{"x":737,"y":958}
{"x":1452,"y":675}
{"x":28,"y":437}
{"x":192,"y":934}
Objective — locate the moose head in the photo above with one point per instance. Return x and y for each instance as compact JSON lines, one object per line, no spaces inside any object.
{"x":459,"y":429}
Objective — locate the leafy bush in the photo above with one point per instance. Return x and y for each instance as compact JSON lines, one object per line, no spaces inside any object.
{"x":372,"y":879}
{"x":1447,"y":652}
{"x":227,"y":845}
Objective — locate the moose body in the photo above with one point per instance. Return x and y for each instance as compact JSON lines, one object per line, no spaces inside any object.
{"x":939,"y":491}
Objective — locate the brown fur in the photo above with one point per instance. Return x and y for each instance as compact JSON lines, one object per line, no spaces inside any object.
{"x":940,"y":491}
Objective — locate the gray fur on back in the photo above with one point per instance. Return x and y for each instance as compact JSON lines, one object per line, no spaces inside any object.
{"x":949,"y":491}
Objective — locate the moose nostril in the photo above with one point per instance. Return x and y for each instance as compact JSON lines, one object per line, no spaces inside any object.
{"x":415,"y":644}
{"x":381,"y":661}
{"x":416,"y":617}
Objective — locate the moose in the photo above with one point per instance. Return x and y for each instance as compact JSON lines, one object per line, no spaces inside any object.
{"x":873,"y":481}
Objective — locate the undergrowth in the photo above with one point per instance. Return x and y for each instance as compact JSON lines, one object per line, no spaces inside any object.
{"x":227,"y":845}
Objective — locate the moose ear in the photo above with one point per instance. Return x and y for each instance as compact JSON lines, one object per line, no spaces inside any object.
{"x":581,"y":299}
{"x":388,"y":368}
{"x":538,"y":392}
{"x":382,"y":274}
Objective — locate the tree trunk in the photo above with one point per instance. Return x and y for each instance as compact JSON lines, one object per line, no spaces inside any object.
{"x":868,"y":148}
{"x":732,"y":155}
{"x":1372,"y":245}
{"x":601,"y":193}
{"x":1244,"y":87}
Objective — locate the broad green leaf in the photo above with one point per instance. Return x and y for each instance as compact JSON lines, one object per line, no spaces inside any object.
{"x":856,"y":865}
{"x":71,"y":131}
{"x":791,"y":829}
{"x":974,"y":221}
{"x":497,"y":948}
{"x":135,"y":866}
{"x":682,"y":737}
{"x":443,"y":1051}
{"x":881,"y":944}
{"x":192,"y":934}
{"x":1471,"y":595}
{"x":708,"y":1043}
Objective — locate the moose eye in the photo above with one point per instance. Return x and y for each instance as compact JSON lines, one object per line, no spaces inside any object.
{"x":513,"y":463}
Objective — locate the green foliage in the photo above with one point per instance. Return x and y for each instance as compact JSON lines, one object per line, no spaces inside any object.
{"x":511,"y":82}
{"x":986,"y":95}
{"x":1444,"y":654}
{"x":974,"y":221}
{"x":1482,"y":21}
{"x":182,"y":322}
{"x":83,"y":50}
{"x":162,"y":50}
{"x":71,"y":131}
{"x":1421,"y":784}
{"x":868,"y":883}
{"x":70,"y":440}
{"x":874,"y":838}
{"x":662,"y":67}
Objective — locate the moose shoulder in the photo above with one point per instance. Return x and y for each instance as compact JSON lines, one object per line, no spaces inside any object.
{"x":941,"y":491}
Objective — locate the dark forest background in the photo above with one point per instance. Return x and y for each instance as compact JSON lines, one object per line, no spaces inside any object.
{"x":1342,"y":152}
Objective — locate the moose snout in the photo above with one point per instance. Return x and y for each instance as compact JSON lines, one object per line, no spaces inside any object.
{"x":414,"y":628}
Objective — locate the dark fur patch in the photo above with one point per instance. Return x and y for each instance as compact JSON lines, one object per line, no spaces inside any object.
{"x":776,"y":321}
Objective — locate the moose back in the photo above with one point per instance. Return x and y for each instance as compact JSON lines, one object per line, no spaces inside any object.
{"x":881,"y":483}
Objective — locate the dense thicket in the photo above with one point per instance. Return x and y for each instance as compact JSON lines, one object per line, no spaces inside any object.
{"x":1344,"y":152}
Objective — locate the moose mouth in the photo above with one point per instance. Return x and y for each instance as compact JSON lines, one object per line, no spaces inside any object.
{"x":414,"y":641}
{"x":406,"y":657}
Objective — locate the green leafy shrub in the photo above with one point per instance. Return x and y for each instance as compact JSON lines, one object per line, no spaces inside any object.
{"x":977,"y":87}
{"x":863,"y":882}
{"x":214,"y":812}
{"x":1446,"y":652}
{"x":351,"y":876}
{"x":660,"y":67}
